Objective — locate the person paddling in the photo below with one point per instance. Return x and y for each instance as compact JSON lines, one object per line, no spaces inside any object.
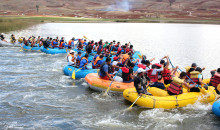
{"x":215,"y":79}
{"x":105,"y":70}
{"x":176,"y":86}
{"x":84,"y":61}
{"x":71,"y":58}
{"x":141,"y":81}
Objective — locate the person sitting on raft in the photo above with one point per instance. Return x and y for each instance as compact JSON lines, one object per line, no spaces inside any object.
{"x":176,"y":86}
{"x":89,"y":48}
{"x":166,"y":73}
{"x":196,"y":77}
{"x":215,"y":79}
{"x":13,"y":40}
{"x":78,"y":59}
{"x":54,"y":43}
{"x":2,"y":37}
{"x":128,"y":73}
{"x":98,"y":62}
{"x":105,"y":70}
{"x":80,"y":44}
{"x":153,"y":75}
{"x":84,"y":61}
{"x":71,"y":58}
{"x":71,"y":43}
{"x":141,"y":81}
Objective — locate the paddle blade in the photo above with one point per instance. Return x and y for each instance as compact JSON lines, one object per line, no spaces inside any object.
{"x":202,"y":90}
{"x":85,"y":37}
{"x":105,"y":94}
{"x":74,"y":75}
{"x":140,"y":56}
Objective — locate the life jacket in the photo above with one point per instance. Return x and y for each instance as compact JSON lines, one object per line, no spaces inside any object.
{"x":99,"y":48}
{"x":142,"y":66}
{"x":85,"y":58}
{"x":71,"y":56}
{"x":166,"y":74}
{"x":215,"y":80}
{"x":125,"y":70}
{"x":119,"y":50}
{"x":153,"y":78}
{"x":176,"y":86}
{"x":96,"y":60}
{"x":61,"y":44}
{"x":70,"y":42}
{"x":194,"y":77}
{"x":124,"y":58}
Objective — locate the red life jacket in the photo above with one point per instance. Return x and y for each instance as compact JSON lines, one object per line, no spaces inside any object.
{"x":194,"y":78}
{"x":166,"y":74}
{"x":119,"y":50}
{"x":142,"y":66}
{"x":215,"y":80}
{"x":153,"y":78}
{"x":175,"y":88}
{"x":125,"y":70}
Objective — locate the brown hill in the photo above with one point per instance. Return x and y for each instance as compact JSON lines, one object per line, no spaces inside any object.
{"x":183,"y":9}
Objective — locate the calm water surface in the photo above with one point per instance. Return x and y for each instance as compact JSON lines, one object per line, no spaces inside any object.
{"x":35,"y":94}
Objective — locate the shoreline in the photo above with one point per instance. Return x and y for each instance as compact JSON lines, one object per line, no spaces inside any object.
{"x":12,"y":23}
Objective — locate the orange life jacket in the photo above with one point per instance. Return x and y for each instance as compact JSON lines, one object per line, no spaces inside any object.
{"x":215,"y":80}
{"x":166,"y":74}
{"x":124,"y":58}
{"x":84,"y":58}
{"x":153,"y":78}
{"x":71,"y":56}
{"x":96,"y":60}
{"x":61,"y":44}
{"x":70,"y":42}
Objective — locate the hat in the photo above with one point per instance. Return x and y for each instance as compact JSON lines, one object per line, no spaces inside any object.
{"x":71,"y":51}
{"x":140,"y":70}
{"x":194,"y":64}
{"x":115,"y":58}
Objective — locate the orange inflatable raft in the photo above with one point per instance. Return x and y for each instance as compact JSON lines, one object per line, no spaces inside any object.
{"x":98,"y":84}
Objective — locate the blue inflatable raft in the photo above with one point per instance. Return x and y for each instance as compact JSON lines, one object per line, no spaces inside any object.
{"x":29,"y":48}
{"x":68,"y":70}
{"x":216,"y":108}
{"x":53,"y":51}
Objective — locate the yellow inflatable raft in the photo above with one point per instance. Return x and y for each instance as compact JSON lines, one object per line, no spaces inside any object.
{"x":169,"y":102}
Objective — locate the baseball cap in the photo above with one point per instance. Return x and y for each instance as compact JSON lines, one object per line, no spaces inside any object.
{"x":194,"y":64}
{"x":140,"y":70}
{"x":71,"y":51}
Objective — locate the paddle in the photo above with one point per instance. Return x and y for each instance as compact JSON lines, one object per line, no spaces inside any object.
{"x":139,"y":56}
{"x":106,"y":92}
{"x":133,"y":103}
{"x":200,"y":88}
{"x":74,"y":73}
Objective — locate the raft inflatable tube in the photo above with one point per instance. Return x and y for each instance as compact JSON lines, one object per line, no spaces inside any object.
{"x":29,"y":48}
{"x":98,"y":84}
{"x":79,"y":73}
{"x":53,"y":51}
{"x":216,"y":108}
{"x":8,"y":44}
{"x":169,"y":102}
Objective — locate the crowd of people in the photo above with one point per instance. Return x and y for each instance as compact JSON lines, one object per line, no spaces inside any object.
{"x":148,"y":74}
{"x":119,"y":56}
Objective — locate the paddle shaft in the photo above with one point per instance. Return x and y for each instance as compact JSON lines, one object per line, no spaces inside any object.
{"x":134,"y":102}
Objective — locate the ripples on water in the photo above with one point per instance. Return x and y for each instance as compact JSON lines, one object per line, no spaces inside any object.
{"x":35,"y":93}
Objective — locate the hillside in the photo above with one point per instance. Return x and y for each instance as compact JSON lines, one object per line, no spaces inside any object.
{"x":122,"y":9}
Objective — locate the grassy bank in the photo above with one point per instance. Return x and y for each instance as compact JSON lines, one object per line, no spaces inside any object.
{"x":12,"y":23}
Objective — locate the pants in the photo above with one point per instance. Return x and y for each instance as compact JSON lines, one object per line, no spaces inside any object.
{"x":106,"y":77}
{"x":129,"y":81}
{"x":158,"y":85}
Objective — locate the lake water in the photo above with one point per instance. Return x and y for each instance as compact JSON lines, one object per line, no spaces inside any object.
{"x":35,"y":94}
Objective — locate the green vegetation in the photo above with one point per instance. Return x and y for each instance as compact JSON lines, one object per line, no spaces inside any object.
{"x":11,"y":23}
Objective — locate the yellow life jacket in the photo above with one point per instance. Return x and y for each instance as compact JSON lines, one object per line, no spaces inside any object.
{"x":124,"y":58}
{"x":96,"y":60}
